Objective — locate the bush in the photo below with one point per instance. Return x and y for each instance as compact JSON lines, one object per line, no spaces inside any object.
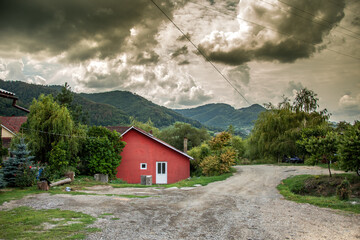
{"x":218,"y":164}
{"x":26,"y":176}
{"x":343,"y":191}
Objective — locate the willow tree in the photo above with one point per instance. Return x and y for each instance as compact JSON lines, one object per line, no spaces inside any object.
{"x":276,"y":130}
{"x":50,"y":128}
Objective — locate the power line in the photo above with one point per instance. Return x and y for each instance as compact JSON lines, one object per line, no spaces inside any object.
{"x":311,"y":14}
{"x":274,"y":30}
{"x":60,"y":134}
{"x":202,"y":53}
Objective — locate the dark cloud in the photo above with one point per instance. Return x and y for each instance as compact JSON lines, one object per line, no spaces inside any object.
{"x":81,"y":29}
{"x":180,"y":51}
{"x":184,"y":37}
{"x":286,"y":38}
{"x":356,"y":21}
{"x":185,"y":62}
{"x":146,"y":58}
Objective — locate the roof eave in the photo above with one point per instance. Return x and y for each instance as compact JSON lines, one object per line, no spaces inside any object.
{"x":163,"y":143}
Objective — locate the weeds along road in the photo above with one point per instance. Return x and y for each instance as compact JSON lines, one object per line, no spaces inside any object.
{"x":245,"y":206}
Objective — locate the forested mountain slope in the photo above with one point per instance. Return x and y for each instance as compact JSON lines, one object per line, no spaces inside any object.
{"x":222,"y":115}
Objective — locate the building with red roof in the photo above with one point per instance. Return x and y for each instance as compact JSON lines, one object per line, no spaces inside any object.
{"x":10,"y":126}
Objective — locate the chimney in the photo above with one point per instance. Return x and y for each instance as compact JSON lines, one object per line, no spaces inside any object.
{"x":185,"y":144}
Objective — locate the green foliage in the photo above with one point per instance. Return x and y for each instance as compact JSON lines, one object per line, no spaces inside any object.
{"x":222,"y":115}
{"x":148,"y":126}
{"x":288,"y":186}
{"x":18,"y":170}
{"x":59,"y":158}
{"x":49,"y":123}
{"x":198,"y":153}
{"x":214,"y":165}
{"x":276,"y":131}
{"x":349,"y":148}
{"x":105,"y":109}
{"x":343,"y":191}
{"x":216,"y":156}
{"x":140,"y":108}
{"x":101,"y":153}
{"x":65,"y":98}
{"x":220,"y":140}
{"x":322,"y":147}
{"x":174,"y":135}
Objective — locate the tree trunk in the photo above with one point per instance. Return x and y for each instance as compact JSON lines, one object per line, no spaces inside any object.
{"x":61,"y":182}
{"x":328,"y":162}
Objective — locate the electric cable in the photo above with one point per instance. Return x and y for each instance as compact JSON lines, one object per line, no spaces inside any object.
{"x":201,"y":52}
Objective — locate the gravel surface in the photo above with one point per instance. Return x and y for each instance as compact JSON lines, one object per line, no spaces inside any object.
{"x":245,"y":206}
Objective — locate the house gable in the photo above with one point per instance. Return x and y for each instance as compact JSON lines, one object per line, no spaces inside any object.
{"x":142,"y":153}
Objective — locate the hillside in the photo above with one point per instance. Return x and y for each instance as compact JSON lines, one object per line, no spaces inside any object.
{"x":140,"y":108}
{"x":106,"y":109}
{"x":222,"y":115}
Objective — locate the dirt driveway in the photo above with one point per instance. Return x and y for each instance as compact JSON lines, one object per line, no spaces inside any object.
{"x":245,"y":206}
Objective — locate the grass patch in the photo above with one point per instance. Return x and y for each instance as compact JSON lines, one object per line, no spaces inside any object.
{"x":202,"y":180}
{"x":27,"y":223}
{"x":300,"y":189}
{"x":115,"y":219}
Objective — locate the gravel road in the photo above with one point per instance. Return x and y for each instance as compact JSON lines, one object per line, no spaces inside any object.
{"x":245,"y":206}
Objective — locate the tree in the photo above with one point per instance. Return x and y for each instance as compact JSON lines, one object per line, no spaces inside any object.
{"x":306,"y":101}
{"x":17,"y":170}
{"x":349,"y":148}
{"x":101,"y":153}
{"x":322,"y":147}
{"x":66,"y":98}
{"x":49,"y":125}
{"x":214,"y":157}
{"x":276,"y":130}
{"x":148,"y":126}
{"x":175,"y":134}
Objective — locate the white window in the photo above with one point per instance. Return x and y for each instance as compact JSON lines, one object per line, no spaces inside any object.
{"x":143,"y":165}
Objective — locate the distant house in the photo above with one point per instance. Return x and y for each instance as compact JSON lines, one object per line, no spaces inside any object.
{"x":10,"y":126}
{"x":146,"y":155}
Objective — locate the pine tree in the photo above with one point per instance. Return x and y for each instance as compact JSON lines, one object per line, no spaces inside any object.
{"x":18,"y":166}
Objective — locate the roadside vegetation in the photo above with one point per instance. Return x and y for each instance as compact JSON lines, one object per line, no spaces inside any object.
{"x":342,"y":191}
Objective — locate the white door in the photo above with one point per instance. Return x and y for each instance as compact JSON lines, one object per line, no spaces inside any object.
{"x":161,"y":172}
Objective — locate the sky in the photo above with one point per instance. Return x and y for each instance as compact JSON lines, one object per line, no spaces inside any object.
{"x":266,"y":49}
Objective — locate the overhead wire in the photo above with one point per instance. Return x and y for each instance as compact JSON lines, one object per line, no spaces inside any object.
{"x":328,"y":23}
{"x":316,"y":17}
{"x":60,"y":134}
{"x":275,"y":30}
{"x":201,"y":52}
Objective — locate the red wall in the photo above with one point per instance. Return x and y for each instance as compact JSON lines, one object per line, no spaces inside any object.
{"x":142,"y":149}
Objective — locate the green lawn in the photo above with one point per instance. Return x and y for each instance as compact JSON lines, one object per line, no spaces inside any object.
{"x":27,"y":223}
{"x":293,"y":185}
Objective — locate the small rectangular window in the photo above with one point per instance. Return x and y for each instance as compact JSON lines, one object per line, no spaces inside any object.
{"x":143,"y":166}
{"x":163,"y":168}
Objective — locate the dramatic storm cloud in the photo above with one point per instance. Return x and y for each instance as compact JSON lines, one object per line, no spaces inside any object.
{"x":80,"y":30}
{"x":273,"y":31}
{"x":265,"y":48}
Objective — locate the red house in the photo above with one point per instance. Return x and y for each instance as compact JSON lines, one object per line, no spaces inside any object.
{"x":146,"y":155}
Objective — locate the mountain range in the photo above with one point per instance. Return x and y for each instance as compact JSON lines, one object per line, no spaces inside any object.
{"x":116,"y":107}
{"x":222,"y":115}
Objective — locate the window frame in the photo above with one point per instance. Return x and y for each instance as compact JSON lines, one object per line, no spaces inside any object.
{"x":141,"y":166}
